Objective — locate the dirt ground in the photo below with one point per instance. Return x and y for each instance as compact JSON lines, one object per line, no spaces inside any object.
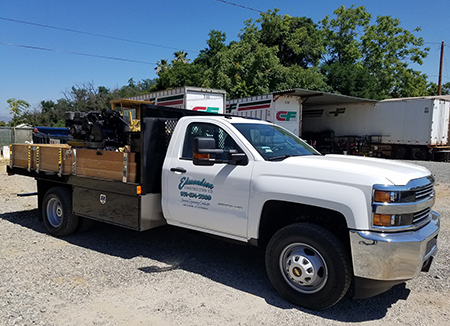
{"x":172,"y":276}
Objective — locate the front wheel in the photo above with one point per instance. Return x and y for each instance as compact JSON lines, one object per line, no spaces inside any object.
{"x":57,"y":212}
{"x":308,"y":266}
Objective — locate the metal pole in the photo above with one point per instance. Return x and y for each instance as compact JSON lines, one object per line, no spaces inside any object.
{"x":440,"y":69}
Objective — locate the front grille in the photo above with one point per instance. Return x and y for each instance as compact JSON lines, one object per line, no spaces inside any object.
{"x":424,"y":192}
{"x":424,"y":216}
{"x":421,"y":217}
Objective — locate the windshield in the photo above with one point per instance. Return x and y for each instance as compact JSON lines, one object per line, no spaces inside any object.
{"x":274,"y":142}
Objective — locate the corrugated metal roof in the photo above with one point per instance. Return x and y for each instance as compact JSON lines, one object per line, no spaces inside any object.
{"x":312,"y":98}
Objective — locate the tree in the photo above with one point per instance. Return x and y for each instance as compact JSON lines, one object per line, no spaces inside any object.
{"x":372,"y":60}
{"x":15,"y":108}
{"x":148,"y":85}
{"x":297,"y":39}
{"x":216,"y":43}
{"x":273,"y":53}
{"x":161,"y":65}
{"x":341,"y":34}
{"x":179,"y":74}
{"x":432,"y":89}
{"x":349,"y":54}
{"x":84,"y":97}
{"x":180,"y":56}
{"x":88,"y":97}
{"x":2,"y":123}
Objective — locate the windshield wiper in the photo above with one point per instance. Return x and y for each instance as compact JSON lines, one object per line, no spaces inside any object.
{"x":282,"y":157}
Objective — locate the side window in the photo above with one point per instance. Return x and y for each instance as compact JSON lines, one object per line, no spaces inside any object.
{"x":223,"y":140}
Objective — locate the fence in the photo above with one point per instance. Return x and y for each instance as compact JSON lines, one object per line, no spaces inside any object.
{"x":6,"y":136}
{"x":9,"y":135}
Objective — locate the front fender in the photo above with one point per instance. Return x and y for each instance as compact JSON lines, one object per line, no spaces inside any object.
{"x":352,"y":201}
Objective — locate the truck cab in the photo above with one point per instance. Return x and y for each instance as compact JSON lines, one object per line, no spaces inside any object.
{"x":324,"y":220}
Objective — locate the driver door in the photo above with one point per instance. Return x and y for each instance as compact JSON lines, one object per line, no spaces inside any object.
{"x":212,"y":198}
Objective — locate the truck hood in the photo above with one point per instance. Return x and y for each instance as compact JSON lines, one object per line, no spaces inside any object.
{"x":343,"y":168}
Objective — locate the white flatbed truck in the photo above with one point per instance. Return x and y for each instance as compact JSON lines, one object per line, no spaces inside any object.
{"x":326,"y":222}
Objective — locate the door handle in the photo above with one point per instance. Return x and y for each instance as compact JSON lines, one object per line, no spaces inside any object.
{"x":179,"y":170}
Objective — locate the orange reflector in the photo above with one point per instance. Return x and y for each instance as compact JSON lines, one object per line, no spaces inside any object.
{"x":201,"y":156}
{"x":382,"y":196}
{"x":382,"y":220}
{"x":138,"y":190}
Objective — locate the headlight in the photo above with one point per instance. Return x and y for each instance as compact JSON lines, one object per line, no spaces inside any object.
{"x":392,"y":220}
{"x":402,"y":207}
{"x":383,"y":196}
{"x":386,"y":196}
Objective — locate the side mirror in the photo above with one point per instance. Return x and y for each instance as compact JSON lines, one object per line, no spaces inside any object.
{"x":205,"y":152}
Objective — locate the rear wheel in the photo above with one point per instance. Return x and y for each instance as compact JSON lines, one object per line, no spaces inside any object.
{"x":308,"y":266}
{"x":57,"y":212}
{"x":400,"y":152}
{"x":419,"y":153}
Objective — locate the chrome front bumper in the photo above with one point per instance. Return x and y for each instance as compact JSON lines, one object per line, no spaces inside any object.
{"x":393,"y":256}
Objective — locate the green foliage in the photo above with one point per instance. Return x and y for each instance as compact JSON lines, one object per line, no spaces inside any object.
{"x":372,"y":60}
{"x":432,"y":89}
{"x":161,"y":65}
{"x":297,"y":39}
{"x":341,"y":34}
{"x":2,"y":123}
{"x":178,"y":74}
{"x":216,"y":43}
{"x":180,"y":56}
{"x":16,"y":107}
{"x":348,"y":54}
{"x":274,"y":52}
{"x":85,"y":97}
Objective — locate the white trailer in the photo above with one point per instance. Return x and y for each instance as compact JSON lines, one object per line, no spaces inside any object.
{"x":189,"y":98}
{"x":402,"y":128}
{"x":284,"y":110}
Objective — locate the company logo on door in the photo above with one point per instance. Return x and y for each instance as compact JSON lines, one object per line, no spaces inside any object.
{"x":184,"y":181}
{"x":195,"y":193}
{"x":286,"y":115}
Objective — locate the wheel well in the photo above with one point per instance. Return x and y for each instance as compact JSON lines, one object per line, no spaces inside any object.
{"x":42,"y":187}
{"x":278,"y":214}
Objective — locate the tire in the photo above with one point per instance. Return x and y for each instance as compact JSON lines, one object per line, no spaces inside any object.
{"x":57,"y":212}
{"x":308,"y":266}
{"x":419,"y":154}
{"x":400,"y":152}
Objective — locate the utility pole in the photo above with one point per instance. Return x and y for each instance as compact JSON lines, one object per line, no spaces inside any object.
{"x":440,"y":69}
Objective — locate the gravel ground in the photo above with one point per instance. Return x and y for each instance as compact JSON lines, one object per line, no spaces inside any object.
{"x":171,"y":276}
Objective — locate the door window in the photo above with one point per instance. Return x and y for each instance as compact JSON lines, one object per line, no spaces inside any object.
{"x":222,"y":138}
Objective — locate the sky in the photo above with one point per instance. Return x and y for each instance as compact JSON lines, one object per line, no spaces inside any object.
{"x":159,"y":28}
